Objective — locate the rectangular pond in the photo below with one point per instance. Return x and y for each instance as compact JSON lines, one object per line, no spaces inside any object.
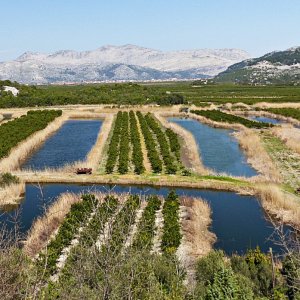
{"x":267,"y":120}
{"x":219,"y":150}
{"x":70,"y":143}
{"x":238,"y":221}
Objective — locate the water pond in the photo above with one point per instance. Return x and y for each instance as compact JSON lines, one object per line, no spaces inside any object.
{"x":238,"y":221}
{"x":266,"y":120}
{"x":70,"y":143}
{"x":219,"y":150}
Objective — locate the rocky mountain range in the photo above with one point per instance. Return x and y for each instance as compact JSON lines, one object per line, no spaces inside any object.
{"x":118,"y":63}
{"x":278,"y":67}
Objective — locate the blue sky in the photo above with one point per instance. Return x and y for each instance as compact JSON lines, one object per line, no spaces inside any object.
{"x":257,"y":26}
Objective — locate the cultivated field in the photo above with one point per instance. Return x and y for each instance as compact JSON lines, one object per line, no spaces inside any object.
{"x":133,"y":246}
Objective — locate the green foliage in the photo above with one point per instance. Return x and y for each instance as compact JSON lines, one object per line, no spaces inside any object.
{"x":172,"y":99}
{"x":137,"y":155}
{"x":171,"y":231}
{"x":78,"y":215}
{"x":7,"y":179}
{"x":151,"y":145}
{"x":121,"y":225}
{"x":286,"y":112}
{"x":124,"y":145}
{"x":219,"y":116}
{"x":113,"y":149}
{"x":163,"y":144}
{"x":145,"y":234}
{"x":15,"y":131}
{"x":174,"y":142}
{"x":225,"y":286}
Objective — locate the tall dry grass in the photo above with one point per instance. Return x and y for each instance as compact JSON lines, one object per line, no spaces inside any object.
{"x":19,"y":154}
{"x":190,"y":146}
{"x":12,"y":193}
{"x":289,"y":135}
{"x":283,"y":206}
{"x":197,"y":240}
{"x":45,"y":226}
{"x":195,"y":226}
{"x":256,"y":154}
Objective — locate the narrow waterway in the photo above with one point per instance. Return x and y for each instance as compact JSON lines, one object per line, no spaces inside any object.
{"x":219,"y":150}
{"x":70,"y":143}
{"x":238,"y":221}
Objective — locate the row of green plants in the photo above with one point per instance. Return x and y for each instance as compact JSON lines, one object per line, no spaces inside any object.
{"x":287,"y":112}
{"x":124,"y":145}
{"x":171,"y":237}
{"x":121,"y":225}
{"x":137,"y":154}
{"x":76,"y":217}
{"x":146,"y":227}
{"x":15,"y":131}
{"x":174,"y":142}
{"x":164,"y":146}
{"x":91,"y":232}
{"x":88,"y":236}
{"x":220,"y":116}
{"x":151,"y":145}
{"x":113,"y":148}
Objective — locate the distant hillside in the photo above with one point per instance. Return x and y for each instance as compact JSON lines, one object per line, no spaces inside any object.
{"x":118,"y":63}
{"x":279,"y":67}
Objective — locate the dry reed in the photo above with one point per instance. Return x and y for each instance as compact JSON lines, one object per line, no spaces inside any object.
{"x":256,"y":154}
{"x":197,"y":240}
{"x":283,"y":206}
{"x":289,"y":135}
{"x":44,"y":227}
{"x":12,"y":194}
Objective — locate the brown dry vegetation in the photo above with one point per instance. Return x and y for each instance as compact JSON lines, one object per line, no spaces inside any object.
{"x":283,"y":206}
{"x":197,"y":240}
{"x":46,"y":226}
{"x":257,"y":156}
{"x":289,"y":135}
{"x":12,"y":194}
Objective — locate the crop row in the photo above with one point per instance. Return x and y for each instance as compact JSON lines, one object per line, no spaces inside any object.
{"x":145,"y":233}
{"x":137,"y":156}
{"x":77,"y":216}
{"x":91,"y":232}
{"x":163,"y":144}
{"x":13,"y":132}
{"x":124,"y":145}
{"x":286,"y":112}
{"x":121,"y":225}
{"x":171,"y":231}
{"x":174,"y":142}
{"x":114,"y":144}
{"x":219,"y":116}
{"x":151,"y":145}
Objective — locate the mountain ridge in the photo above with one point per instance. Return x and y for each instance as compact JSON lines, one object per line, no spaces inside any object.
{"x":141,"y":63}
{"x":276,"y":67}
